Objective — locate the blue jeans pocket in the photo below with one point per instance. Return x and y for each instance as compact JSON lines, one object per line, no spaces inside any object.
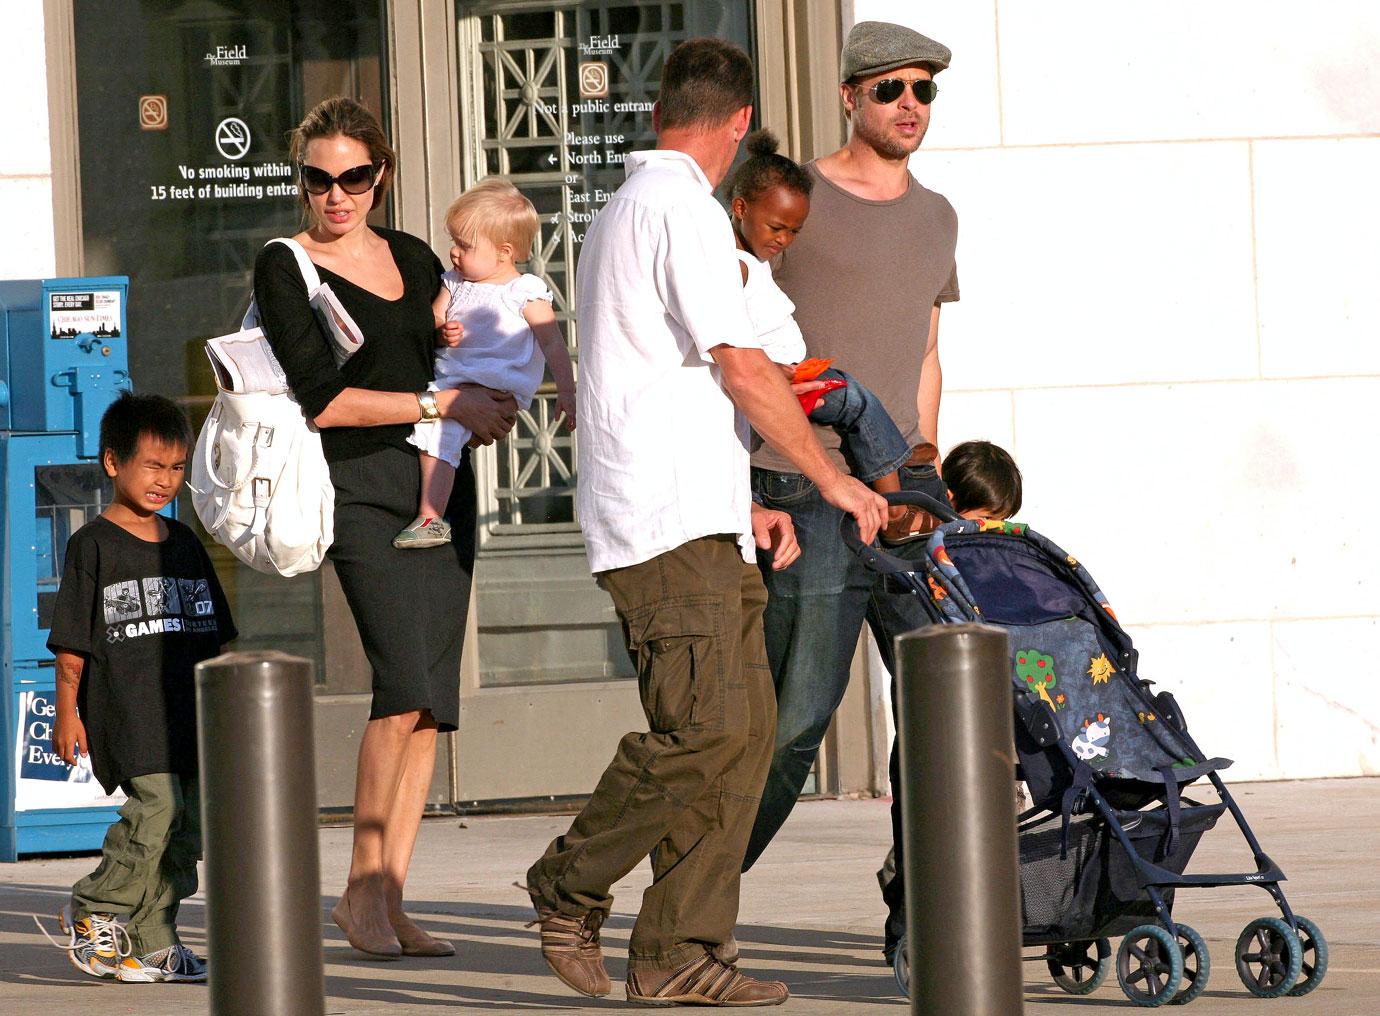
{"x":782,"y":489}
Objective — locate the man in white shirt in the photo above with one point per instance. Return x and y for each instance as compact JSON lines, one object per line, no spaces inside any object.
{"x":671,"y":374}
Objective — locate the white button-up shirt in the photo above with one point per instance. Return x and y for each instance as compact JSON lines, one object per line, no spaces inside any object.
{"x":663,"y":452}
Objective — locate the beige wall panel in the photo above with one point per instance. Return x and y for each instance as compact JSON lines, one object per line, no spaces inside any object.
{"x":1222,"y":677}
{"x":507,"y":740}
{"x":22,"y":80}
{"x":1088,"y":71}
{"x":1210,"y":502}
{"x":1329,"y":719}
{"x":1317,"y":216}
{"x":967,"y":113}
{"x":26,"y":209}
{"x":973,"y":416}
{"x":1105,"y":265}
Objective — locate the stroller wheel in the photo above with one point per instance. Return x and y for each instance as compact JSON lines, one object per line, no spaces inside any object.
{"x":1197,"y":965}
{"x":1269,"y":957}
{"x":1149,"y":966}
{"x":1079,"y":967}
{"x":1314,"y":966}
{"x":900,"y":966}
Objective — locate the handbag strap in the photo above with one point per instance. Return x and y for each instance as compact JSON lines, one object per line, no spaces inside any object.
{"x":304,"y":265}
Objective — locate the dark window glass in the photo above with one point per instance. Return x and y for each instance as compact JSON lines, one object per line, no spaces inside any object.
{"x":566,"y":90}
{"x":183,"y":112}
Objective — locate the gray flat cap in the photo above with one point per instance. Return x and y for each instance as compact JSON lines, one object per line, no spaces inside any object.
{"x":877,"y":46}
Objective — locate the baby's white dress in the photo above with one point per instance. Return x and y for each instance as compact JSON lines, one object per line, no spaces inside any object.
{"x":498,"y":351}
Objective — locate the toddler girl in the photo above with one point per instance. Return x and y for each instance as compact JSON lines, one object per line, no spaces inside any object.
{"x":770,"y":201}
{"x":498,"y":331}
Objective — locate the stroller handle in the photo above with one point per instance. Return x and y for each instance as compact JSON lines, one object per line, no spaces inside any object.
{"x":879,"y":560}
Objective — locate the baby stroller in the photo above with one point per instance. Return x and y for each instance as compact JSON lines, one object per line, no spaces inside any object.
{"x":1104,"y":846}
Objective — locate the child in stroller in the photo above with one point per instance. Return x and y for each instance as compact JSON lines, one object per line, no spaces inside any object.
{"x":1106,"y":842}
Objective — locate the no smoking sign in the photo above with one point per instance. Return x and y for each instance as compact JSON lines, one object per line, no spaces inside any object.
{"x":232,"y":138}
{"x":594,"y":79}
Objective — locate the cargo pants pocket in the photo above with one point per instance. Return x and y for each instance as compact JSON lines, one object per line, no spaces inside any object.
{"x":677,"y":648}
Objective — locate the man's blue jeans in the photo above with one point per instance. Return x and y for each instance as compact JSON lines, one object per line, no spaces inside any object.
{"x":815,"y":611}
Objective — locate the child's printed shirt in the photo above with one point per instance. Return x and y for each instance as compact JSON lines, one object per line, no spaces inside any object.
{"x":144,"y":615}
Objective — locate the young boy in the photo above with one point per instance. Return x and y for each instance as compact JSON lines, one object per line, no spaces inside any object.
{"x":139,"y":606}
{"x":983,"y":481}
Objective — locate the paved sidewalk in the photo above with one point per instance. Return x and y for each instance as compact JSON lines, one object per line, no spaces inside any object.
{"x":1325,"y":834}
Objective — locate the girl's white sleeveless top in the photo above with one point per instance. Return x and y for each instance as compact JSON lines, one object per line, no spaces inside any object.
{"x":771,"y":313}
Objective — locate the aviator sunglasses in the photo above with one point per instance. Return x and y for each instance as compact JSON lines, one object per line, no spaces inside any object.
{"x":353,"y":181}
{"x":888,"y":90}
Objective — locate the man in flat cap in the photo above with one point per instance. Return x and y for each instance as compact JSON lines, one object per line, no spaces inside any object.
{"x":868,"y":274}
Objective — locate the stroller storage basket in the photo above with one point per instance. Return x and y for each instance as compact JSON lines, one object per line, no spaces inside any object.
{"x":1094,"y":892}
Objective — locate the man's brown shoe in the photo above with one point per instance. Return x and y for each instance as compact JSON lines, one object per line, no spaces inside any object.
{"x":570,"y":946}
{"x":705,"y":980}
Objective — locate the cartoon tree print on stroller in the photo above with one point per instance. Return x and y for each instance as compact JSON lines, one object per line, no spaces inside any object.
{"x":1105,"y":845}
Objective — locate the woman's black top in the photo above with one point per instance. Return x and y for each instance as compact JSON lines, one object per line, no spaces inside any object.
{"x":399,"y":337}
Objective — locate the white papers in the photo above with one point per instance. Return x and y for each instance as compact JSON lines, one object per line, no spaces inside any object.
{"x":335,"y":319}
{"x":244,"y":361}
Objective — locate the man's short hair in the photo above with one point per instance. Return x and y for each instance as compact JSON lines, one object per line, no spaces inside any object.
{"x":705,"y":81}
{"x":131,"y":416}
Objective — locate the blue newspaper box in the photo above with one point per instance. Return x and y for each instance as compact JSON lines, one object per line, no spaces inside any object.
{"x":63,"y":360}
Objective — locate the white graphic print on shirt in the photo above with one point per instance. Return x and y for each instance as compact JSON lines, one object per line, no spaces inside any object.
{"x":172,"y":605}
{"x":122,"y":601}
{"x":160,"y":597}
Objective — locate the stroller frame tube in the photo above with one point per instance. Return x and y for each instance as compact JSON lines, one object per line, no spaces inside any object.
{"x":1153,"y":878}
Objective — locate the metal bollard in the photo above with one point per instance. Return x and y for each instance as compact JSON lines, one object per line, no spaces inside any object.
{"x":258,"y":794}
{"x":963,"y":911}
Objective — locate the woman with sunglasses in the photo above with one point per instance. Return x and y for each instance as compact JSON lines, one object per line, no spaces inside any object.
{"x":365,"y":409}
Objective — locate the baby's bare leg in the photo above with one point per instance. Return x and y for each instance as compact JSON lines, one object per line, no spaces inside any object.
{"x":438,"y":477}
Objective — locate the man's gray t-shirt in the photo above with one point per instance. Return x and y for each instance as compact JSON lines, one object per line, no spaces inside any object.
{"x":864,"y":277}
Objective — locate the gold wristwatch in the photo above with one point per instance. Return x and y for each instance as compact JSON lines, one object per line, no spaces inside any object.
{"x":426,"y":402}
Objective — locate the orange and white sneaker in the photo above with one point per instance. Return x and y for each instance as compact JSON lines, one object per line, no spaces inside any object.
{"x":175,"y":963}
{"x":97,"y":944}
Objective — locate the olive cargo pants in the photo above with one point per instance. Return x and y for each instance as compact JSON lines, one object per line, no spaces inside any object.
{"x":687,"y":790}
{"x":148,"y":861}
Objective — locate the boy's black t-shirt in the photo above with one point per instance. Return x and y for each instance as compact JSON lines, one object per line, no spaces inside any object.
{"x":144,"y":615}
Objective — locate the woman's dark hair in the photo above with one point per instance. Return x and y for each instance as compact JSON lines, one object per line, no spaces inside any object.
{"x":983,"y":476}
{"x":766,"y":168}
{"x":344,"y":117}
{"x":131,"y":417}
{"x":705,"y":81}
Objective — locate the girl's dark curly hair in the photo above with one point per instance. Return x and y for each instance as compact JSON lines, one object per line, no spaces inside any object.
{"x":766,"y":168}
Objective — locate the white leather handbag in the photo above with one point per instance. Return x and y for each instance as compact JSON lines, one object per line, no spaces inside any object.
{"x":259,"y":480}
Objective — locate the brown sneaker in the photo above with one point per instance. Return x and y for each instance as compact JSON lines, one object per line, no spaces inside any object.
{"x":570,"y":946}
{"x":705,"y":980}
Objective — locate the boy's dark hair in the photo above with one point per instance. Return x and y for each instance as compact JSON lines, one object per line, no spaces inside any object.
{"x":766,"y":168}
{"x":705,"y":81}
{"x":132,"y":416}
{"x":983,"y":476}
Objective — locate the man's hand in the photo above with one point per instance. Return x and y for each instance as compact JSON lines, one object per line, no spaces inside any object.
{"x":774,"y":531}
{"x":69,"y":736}
{"x":865,"y":505}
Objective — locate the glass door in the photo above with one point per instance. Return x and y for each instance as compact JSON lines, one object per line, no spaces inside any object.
{"x":552,"y":97}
